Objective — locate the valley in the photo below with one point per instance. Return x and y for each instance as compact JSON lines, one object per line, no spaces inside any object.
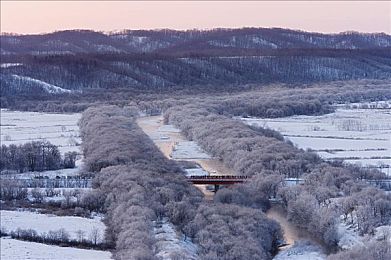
{"x":202,"y":144}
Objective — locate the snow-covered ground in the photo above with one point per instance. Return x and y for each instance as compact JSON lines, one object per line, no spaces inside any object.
{"x":383,"y":233}
{"x":12,"y":249}
{"x":49,"y":88}
{"x":43,"y":223}
{"x":170,"y":244}
{"x":196,"y":172}
{"x":8,"y":65}
{"x":168,"y":129}
{"x":188,"y":150}
{"x":61,"y":130}
{"x":58,"y":194}
{"x":367,"y":105}
{"x":301,"y":250}
{"x":174,"y":145}
{"x":356,"y":135}
{"x":169,"y":139}
{"x":19,"y":127}
{"x":348,"y":236}
{"x":46,"y":174}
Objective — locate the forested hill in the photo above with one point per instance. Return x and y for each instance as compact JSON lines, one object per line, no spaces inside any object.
{"x":67,"y":61}
{"x":169,"y":41}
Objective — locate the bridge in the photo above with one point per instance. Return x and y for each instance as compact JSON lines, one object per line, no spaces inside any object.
{"x":217,"y":180}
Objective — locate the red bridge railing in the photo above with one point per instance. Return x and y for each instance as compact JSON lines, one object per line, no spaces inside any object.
{"x":217,"y":180}
{"x":222,"y":177}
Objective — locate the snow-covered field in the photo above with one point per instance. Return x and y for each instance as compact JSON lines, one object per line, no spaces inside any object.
{"x":46,"y":174}
{"x":43,"y":223}
{"x":61,"y":130}
{"x":171,"y":245}
{"x":360,"y":136}
{"x":348,"y":236}
{"x":12,"y":249}
{"x":21,"y":127}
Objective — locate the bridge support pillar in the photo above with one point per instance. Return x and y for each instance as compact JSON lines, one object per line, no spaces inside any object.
{"x":216,"y":188}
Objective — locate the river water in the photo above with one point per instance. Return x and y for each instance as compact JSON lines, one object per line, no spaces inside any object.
{"x":166,"y":137}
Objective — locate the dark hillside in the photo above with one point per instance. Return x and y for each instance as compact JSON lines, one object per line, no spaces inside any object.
{"x":156,"y":61}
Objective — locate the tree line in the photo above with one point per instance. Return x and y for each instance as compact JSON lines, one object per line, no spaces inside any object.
{"x":35,"y":156}
{"x":61,"y":237}
{"x":275,"y":100}
{"x":270,"y":100}
{"x":329,"y":189}
{"x":141,"y":185}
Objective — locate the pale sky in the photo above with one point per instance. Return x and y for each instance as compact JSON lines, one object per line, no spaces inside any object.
{"x":29,"y":17}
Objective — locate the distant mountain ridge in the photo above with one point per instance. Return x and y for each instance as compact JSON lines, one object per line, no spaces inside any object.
{"x":139,"y":41}
{"x":65,"y":61}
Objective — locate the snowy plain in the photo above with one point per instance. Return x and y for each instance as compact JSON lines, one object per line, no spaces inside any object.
{"x":12,"y":249}
{"x":43,"y":223}
{"x":359,"y":136}
{"x":18,"y":127}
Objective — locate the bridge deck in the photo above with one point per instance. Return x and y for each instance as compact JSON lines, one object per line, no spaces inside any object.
{"x":217,"y":180}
